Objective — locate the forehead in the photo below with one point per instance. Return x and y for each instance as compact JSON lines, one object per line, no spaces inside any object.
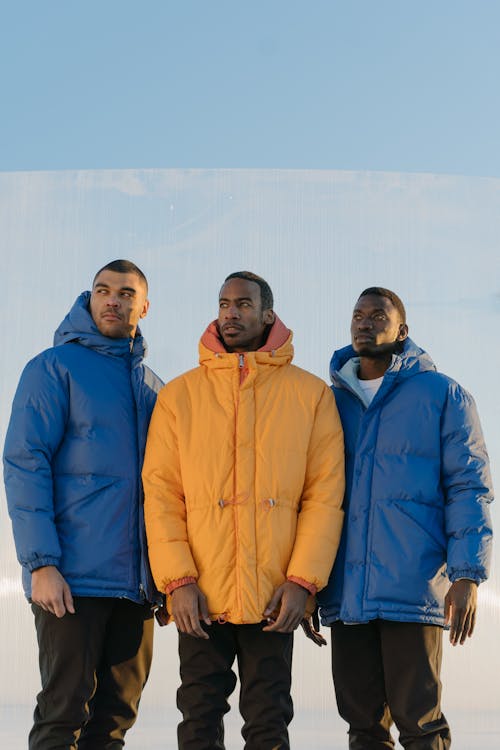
{"x":239,"y":289}
{"x":116,"y":280}
{"x":370,"y":303}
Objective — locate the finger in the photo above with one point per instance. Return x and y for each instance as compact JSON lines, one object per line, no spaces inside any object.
{"x":472,"y":622}
{"x":273,"y":604}
{"x":58,"y":609}
{"x":68,"y":599}
{"x":468,"y":626}
{"x":465,"y":629}
{"x":282,"y":623}
{"x":204,"y":610}
{"x":195,"y":627}
{"x":457,"y":624}
{"x":179,"y":620}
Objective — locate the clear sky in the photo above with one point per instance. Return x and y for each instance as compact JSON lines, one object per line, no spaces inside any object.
{"x":358,"y":84}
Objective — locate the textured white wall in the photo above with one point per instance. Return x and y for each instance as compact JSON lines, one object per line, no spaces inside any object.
{"x":319,"y":238}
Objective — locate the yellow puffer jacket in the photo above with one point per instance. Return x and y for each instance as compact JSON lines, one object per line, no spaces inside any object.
{"x":244,"y":477}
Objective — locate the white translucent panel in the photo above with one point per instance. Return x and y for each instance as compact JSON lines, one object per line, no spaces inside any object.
{"x":319,"y":238}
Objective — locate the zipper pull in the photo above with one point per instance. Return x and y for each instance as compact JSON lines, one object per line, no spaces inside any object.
{"x":242,"y":361}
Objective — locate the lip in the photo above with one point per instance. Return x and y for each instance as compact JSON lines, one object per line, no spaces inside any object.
{"x":231,"y":328}
{"x":110,"y":316}
{"x":363,"y":338}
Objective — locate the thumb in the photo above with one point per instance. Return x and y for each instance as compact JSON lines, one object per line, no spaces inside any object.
{"x":274,"y":603}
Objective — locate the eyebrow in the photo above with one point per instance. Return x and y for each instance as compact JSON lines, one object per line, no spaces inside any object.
{"x":236,"y":299}
{"x":375,"y":310}
{"x":100,"y":285}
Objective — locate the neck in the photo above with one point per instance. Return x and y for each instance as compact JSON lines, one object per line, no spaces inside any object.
{"x":370,"y":368}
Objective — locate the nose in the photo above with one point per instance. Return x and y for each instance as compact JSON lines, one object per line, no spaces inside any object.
{"x":231,"y":311}
{"x":112,"y":301}
{"x":364,"y":324}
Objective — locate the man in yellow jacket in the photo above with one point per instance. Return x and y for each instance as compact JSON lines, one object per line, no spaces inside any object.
{"x":244,"y":479}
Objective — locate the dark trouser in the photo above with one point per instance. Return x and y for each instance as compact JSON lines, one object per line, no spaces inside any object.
{"x":389,"y":671}
{"x":207,"y":680}
{"x":93,"y":666}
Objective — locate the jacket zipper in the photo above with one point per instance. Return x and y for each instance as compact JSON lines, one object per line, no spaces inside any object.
{"x":241,"y":365}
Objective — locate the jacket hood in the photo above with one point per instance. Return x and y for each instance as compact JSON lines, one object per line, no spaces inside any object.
{"x":278,"y":346}
{"x":78,"y":327}
{"x":411,"y":361}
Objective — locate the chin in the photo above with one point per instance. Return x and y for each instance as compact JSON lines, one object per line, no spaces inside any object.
{"x":364,"y":351}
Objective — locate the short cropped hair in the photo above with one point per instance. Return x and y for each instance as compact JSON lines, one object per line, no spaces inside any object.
{"x":122,"y":266}
{"x":392,"y":296}
{"x":266,"y":295}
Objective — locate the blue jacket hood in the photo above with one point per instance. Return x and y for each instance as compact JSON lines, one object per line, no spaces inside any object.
{"x":411,"y":361}
{"x":78,"y":326}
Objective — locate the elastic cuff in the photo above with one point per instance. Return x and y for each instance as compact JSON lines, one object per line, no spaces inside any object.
{"x":305,"y":584}
{"x":42,"y":562}
{"x":180,"y":582}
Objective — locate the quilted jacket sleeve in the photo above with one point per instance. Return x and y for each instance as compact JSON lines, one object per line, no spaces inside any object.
{"x":321,"y":516}
{"x":36,"y":428}
{"x":467,"y":486}
{"x":164,"y":507}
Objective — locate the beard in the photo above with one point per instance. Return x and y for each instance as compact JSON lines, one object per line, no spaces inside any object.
{"x":379,"y":351}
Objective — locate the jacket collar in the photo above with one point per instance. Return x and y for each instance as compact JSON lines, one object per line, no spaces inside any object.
{"x":277,"y":350}
{"x":411,"y":361}
{"x":78,"y":327}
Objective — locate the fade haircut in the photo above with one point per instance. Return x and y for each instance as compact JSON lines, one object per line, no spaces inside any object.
{"x":123,"y":266}
{"x":392,"y":296}
{"x":266,"y":295}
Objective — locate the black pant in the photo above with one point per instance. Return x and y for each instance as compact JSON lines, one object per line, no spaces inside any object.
{"x":389,"y":671}
{"x":207,"y":680}
{"x":93,"y":666}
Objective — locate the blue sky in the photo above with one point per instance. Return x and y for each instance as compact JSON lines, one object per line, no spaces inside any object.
{"x":359,"y":84}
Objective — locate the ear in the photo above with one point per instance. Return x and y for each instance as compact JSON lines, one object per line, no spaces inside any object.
{"x":269,"y":317}
{"x":403,"y":332}
{"x":145,"y":309}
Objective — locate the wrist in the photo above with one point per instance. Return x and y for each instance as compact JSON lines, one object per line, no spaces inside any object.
{"x":179,"y":583}
{"x":309,"y":587}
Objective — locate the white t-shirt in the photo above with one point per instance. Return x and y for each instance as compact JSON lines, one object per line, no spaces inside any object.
{"x":370,"y":387}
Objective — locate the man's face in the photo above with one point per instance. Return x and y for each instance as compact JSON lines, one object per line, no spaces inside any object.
{"x":117,"y":303}
{"x":242,"y":322}
{"x":376,"y":326}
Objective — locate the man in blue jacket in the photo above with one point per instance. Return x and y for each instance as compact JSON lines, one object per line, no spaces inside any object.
{"x":72,"y":465}
{"x":417,"y":534}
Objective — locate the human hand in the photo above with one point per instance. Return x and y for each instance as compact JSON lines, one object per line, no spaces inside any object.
{"x":189,"y":606}
{"x":290,"y":599}
{"x":310,"y":626}
{"x":50,"y":591}
{"x":460,"y":606}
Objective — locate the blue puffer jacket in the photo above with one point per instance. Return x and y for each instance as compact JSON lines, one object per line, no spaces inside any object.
{"x":417,"y":493}
{"x":73,"y":456}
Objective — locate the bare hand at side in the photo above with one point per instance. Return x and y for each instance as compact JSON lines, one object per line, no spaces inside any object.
{"x":189,"y":606}
{"x":290,"y":599}
{"x":460,"y":606}
{"x":51,"y":592}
